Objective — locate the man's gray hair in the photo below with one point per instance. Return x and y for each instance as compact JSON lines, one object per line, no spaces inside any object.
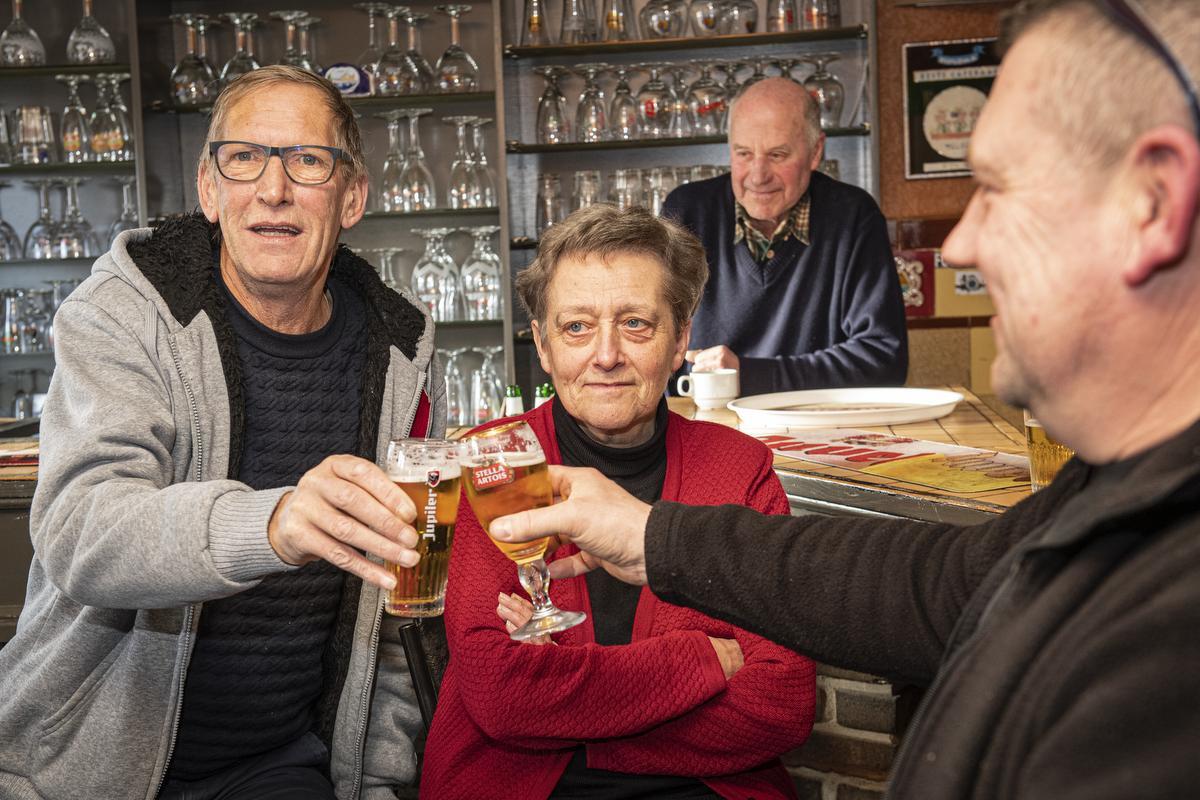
{"x":345,"y":128}
{"x":605,"y":231}
{"x":1102,"y":87}
{"x":809,"y":107}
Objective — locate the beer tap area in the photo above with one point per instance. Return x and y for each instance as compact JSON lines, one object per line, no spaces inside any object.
{"x":484,"y":124}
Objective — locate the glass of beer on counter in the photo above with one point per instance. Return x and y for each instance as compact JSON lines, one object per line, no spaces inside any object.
{"x":504,"y":471}
{"x":427,"y":471}
{"x":1046,"y":456}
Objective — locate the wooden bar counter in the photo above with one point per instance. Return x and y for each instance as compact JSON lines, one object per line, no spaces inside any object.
{"x":816,"y":488}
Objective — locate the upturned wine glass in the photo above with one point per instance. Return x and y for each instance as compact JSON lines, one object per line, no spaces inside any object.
{"x":75,"y":237}
{"x":39,"y":239}
{"x":105,"y":125}
{"x":129,"y":213}
{"x":369,"y":58}
{"x":484,"y":174}
{"x":418,"y":192}
{"x":121,"y":136}
{"x":10,"y":243}
{"x":759,"y":74}
{"x":681,"y":124}
{"x":654,"y":104}
{"x":480,"y":276}
{"x":307,"y":43}
{"x":292,"y":55}
{"x":664,"y":19}
{"x":826,"y":89}
{"x":504,"y":471}
{"x":463,"y":190}
{"x":391,"y":186}
{"x":452,"y":285}
{"x":623,"y":111}
{"x":391,"y":75}
{"x":705,"y":16}
{"x":456,"y":70}
{"x":20,"y":46}
{"x":706,"y":102}
{"x":417,"y":63}
{"x":553,"y":125}
{"x":89,"y":43}
{"x":427,"y":279}
{"x":75,"y":135}
{"x":242,"y":61}
{"x":192,"y":80}
{"x":738,"y":16}
{"x":458,"y":399}
{"x":591,"y":115}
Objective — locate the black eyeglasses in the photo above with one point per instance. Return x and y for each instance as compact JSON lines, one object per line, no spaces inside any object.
{"x":1129,"y":15}
{"x":310,"y":164}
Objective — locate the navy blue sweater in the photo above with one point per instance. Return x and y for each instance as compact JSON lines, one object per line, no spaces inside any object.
{"x":824,"y":315}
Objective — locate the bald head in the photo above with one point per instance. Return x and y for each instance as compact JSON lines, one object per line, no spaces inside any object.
{"x":780,"y":97}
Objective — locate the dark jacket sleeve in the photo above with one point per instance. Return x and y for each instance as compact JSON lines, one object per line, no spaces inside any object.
{"x":875,"y":349}
{"x":879,"y":596}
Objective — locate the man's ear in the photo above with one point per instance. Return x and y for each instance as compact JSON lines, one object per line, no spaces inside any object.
{"x":1163,"y":167}
{"x":354,"y":205}
{"x":206,"y":188}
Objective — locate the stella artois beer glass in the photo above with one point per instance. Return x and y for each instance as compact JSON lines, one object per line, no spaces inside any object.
{"x":504,"y":471}
{"x":427,"y":471}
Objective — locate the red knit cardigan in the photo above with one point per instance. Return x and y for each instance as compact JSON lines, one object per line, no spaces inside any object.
{"x":510,"y":714}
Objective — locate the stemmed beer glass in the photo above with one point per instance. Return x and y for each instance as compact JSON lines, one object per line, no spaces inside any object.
{"x":504,"y":471}
{"x":242,"y":61}
{"x":20,"y":46}
{"x":456,"y":69}
{"x":89,"y":43}
{"x":427,"y":471}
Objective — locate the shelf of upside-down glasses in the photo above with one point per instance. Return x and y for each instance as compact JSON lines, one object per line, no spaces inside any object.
{"x":470,"y":323}
{"x":512,"y":146}
{"x":432,"y":99}
{"x":48,"y":263}
{"x":687,"y":43}
{"x":62,"y":168}
{"x":62,"y":69}
{"x":490,"y":211}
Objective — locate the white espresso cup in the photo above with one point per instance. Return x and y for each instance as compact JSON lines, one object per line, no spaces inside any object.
{"x":709,"y":389}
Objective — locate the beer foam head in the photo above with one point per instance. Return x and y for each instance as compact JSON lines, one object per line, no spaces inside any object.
{"x":509,"y":459}
{"x":419,"y":473}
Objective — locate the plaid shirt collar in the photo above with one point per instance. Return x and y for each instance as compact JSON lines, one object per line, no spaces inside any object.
{"x":795,"y":224}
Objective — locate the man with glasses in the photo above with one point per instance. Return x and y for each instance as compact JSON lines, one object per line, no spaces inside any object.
{"x":1060,"y":640}
{"x":204,"y":615}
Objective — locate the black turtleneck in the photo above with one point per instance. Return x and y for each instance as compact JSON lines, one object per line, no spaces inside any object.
{"x":639,"y":470}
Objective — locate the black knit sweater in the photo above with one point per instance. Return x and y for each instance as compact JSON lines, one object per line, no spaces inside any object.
{"x":256,"y":671}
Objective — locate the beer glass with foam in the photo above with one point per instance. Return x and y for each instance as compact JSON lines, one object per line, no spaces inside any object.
{"x":504,"y":471}
{"x":427,"y":471}
{"x":1046,"y":455}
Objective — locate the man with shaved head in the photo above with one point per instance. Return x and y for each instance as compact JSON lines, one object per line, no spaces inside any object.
{"x":802,"y":292}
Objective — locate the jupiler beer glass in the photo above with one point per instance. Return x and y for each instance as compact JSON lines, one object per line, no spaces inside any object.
{"x":427,"y":471}
{"x":504,"y":471}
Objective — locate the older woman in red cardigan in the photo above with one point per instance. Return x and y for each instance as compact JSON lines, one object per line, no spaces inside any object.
{"x":644,"y":699}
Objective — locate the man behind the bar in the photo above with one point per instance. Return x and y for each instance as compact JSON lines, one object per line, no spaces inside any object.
{"x":201,"y":619}
{"x":1061,"y":639}
{"x":802,"y":290}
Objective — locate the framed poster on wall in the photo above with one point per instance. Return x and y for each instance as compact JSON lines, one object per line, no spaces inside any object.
{"x":945,"y":87}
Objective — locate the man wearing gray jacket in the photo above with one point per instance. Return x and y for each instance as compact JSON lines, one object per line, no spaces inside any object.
{"x":204,"y":612}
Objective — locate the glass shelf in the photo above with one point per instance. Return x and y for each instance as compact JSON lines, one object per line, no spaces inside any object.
{"x":522,"y":243}
{"x":686,"y":43}
{"x":512,"y":146}
{"x":437,"y":100}
{"x":85,"y":262}
{"x":433,"y":212}
{"x":59,"y":168}
{"x":63,"y":69}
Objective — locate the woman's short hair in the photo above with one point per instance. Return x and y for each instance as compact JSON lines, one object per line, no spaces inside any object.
{"x":345,"y":127}
{"x":604,"y":230}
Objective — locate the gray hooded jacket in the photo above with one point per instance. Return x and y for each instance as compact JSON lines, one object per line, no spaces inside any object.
{"x":136,"y":523}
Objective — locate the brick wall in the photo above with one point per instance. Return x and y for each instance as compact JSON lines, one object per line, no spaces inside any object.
{"x":860,"y":719}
